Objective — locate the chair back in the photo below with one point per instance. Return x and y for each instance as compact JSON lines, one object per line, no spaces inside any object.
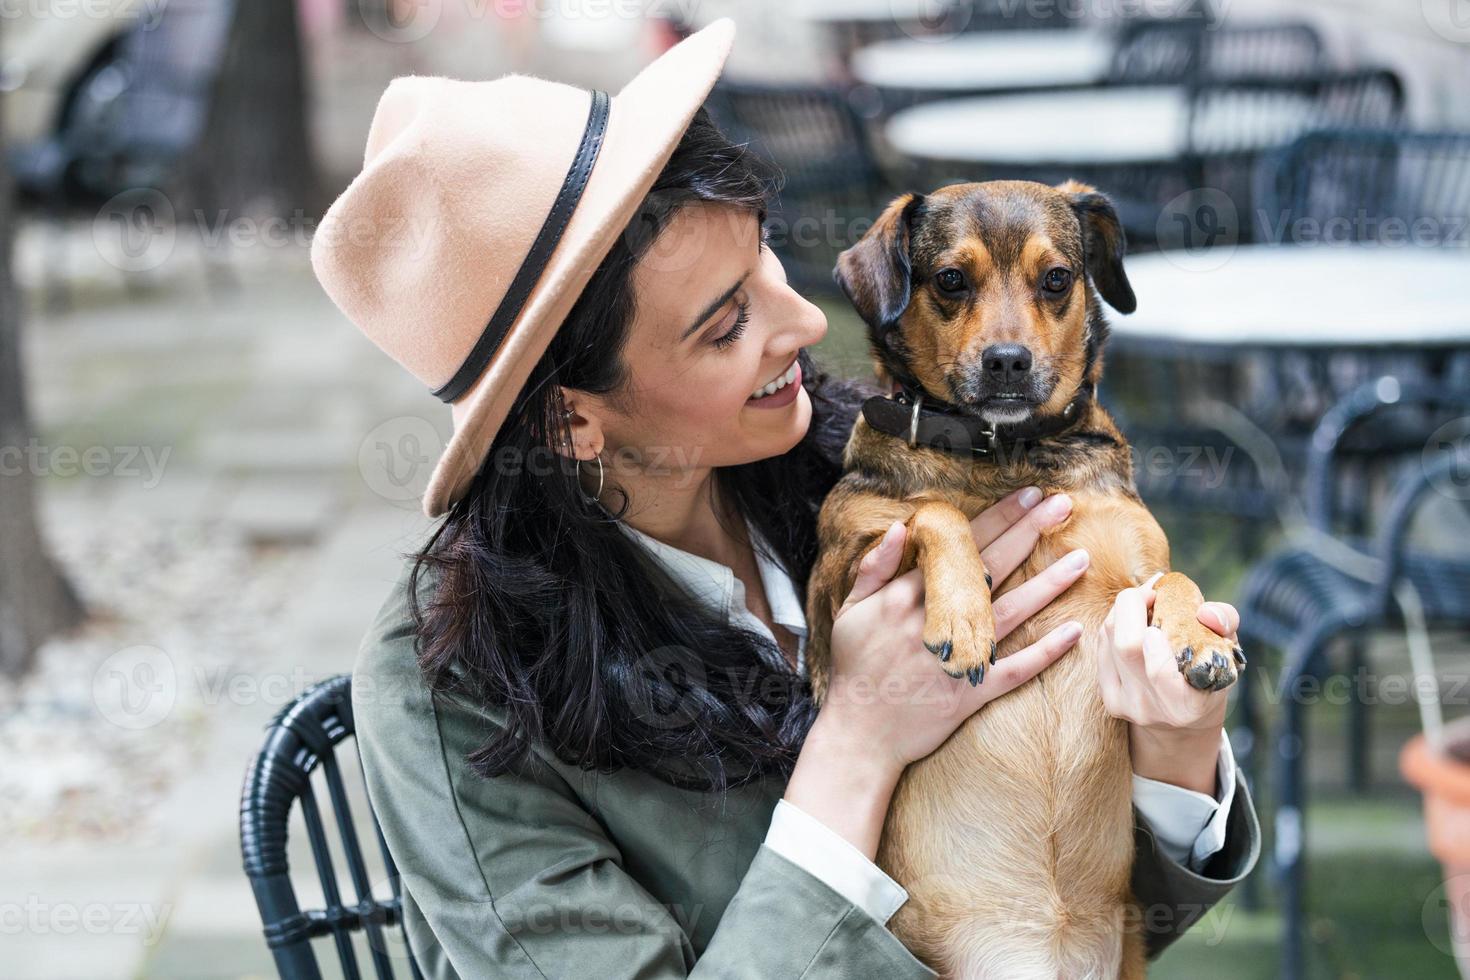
{"x":132,"y":133}
{"x":300,"y":743}
{"x":1182,"y":51}
{"x":1373,"y":186}
{"x":831,"y":185}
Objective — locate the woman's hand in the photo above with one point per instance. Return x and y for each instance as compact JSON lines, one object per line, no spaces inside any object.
{"x":1174,"y":729}
{"x":888,"y":703}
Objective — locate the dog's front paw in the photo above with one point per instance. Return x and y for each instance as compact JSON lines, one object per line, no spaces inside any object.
{"x":959,"y":629}
{"x":1209,"y":661}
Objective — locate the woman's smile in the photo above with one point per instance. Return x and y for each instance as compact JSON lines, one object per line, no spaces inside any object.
{"x":780,"y":391}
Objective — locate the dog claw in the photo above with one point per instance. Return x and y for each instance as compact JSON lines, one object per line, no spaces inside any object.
{"x":942,"y":650}
{"x":976,"y":675}
{"x":992,"y":653}
{"x":1239,"y":655}
{"x":1185,"y":656}
{"x":989,"y":584}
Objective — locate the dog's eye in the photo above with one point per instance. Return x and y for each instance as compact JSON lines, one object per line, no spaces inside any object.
{"x":1057,"y":281}
{"x":950,"y":280}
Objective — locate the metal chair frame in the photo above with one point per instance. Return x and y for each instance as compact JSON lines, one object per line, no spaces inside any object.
{"x":303,"y":739}
{"x":1301,"y":602}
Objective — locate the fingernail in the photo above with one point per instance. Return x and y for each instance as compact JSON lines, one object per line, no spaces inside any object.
{"x":1077,"y":560}
{"x":1058,"y":506}
{"x":1070,"y":632}
{"x":1219,"y":615}
{"x":890,"y":534}
{"x":1029,"y":497}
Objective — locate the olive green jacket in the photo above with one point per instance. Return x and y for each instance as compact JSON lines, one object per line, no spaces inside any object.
{"x":558,"y":873}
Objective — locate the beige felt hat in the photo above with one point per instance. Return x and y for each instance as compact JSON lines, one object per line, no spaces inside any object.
{"x":481,"y":212}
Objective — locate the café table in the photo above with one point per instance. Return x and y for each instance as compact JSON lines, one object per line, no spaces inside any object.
{"x":986,"y":62}
{"x":1317,"y":299}
{"x":1124,"y":125}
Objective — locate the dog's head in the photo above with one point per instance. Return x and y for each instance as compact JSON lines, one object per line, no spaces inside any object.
{"x":983,"y":294}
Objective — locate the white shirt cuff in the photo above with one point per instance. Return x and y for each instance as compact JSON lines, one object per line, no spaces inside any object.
{"x":828,"y":856}
{"x":1189,"y":826}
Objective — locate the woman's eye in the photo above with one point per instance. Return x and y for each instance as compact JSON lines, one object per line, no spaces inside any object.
{"x":1057,"y":281}
{"x":950,"y":280}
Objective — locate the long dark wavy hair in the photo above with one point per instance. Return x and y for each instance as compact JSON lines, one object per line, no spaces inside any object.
{"x":542,"y":606}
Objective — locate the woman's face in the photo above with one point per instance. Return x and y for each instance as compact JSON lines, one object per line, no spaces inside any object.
{"x":711,"y":353}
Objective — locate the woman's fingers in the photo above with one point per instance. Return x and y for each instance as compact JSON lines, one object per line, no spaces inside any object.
{"x":1021,"y":603}
{"x":996,"y":519}
{"x":1221,"y":617}
{"x":1018,"y":668}
{"x":1006,"y":553}
{"x":878,"y":565}
{"x":1128,"y":620}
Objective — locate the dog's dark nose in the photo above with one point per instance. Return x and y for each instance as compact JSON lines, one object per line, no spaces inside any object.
{"x":1005,"y":364}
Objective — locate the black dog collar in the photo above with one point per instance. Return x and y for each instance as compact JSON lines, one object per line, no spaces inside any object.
{"x":921,"y":420}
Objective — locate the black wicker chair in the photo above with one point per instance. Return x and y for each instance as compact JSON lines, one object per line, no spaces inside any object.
{"x":1235,"y":125}
{"x":832,"y":185}
{"x":1183,"y":51}
{"x":1314,"y":600}
{"x":303,"y":740}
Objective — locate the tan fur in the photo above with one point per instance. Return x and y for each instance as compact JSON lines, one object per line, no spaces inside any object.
{"x":1015,"y":838}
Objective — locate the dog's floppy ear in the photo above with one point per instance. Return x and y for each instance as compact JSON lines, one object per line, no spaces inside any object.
{"x":1103,"y":245}
{"x":875,"y":273}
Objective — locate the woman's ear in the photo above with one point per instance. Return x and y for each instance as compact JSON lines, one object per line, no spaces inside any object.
{"x":874,"y":273}
{"x":583,"y":415}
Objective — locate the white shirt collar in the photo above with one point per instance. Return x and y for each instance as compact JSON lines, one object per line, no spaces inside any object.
{"x":720,"y":590}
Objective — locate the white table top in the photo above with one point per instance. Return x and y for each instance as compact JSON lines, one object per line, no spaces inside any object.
{"x":1129,"y":124}
{"x":1301,"y":296}
{"x":1006,"y":59}
{"x":859,"y":11}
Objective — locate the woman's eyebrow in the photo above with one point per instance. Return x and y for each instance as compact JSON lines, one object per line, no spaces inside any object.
{"x":713,"y":308}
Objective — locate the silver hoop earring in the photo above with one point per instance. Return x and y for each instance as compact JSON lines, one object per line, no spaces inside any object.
{"x":595,"y":499}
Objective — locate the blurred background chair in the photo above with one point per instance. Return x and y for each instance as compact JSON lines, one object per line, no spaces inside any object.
{"x":831,"y":184}
{"x":1312,"y":600}
{"x":302,"y":743}
{"x":1157,"y":52}
{"x":132,"y":119}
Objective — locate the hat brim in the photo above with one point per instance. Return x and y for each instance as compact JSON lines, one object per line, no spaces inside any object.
{"x":645,"y":123}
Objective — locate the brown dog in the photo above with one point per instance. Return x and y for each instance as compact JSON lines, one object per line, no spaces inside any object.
{"x":1015,"y":838}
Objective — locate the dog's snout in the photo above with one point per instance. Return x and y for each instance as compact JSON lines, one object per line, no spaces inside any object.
{"x":1006,"y":364}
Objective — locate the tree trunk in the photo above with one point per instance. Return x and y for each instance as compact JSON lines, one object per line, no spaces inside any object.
{"x":35,"y":600}
{"x":254,"y":158}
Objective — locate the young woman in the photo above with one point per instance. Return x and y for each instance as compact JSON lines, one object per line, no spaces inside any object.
{"x":581,"y":712}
